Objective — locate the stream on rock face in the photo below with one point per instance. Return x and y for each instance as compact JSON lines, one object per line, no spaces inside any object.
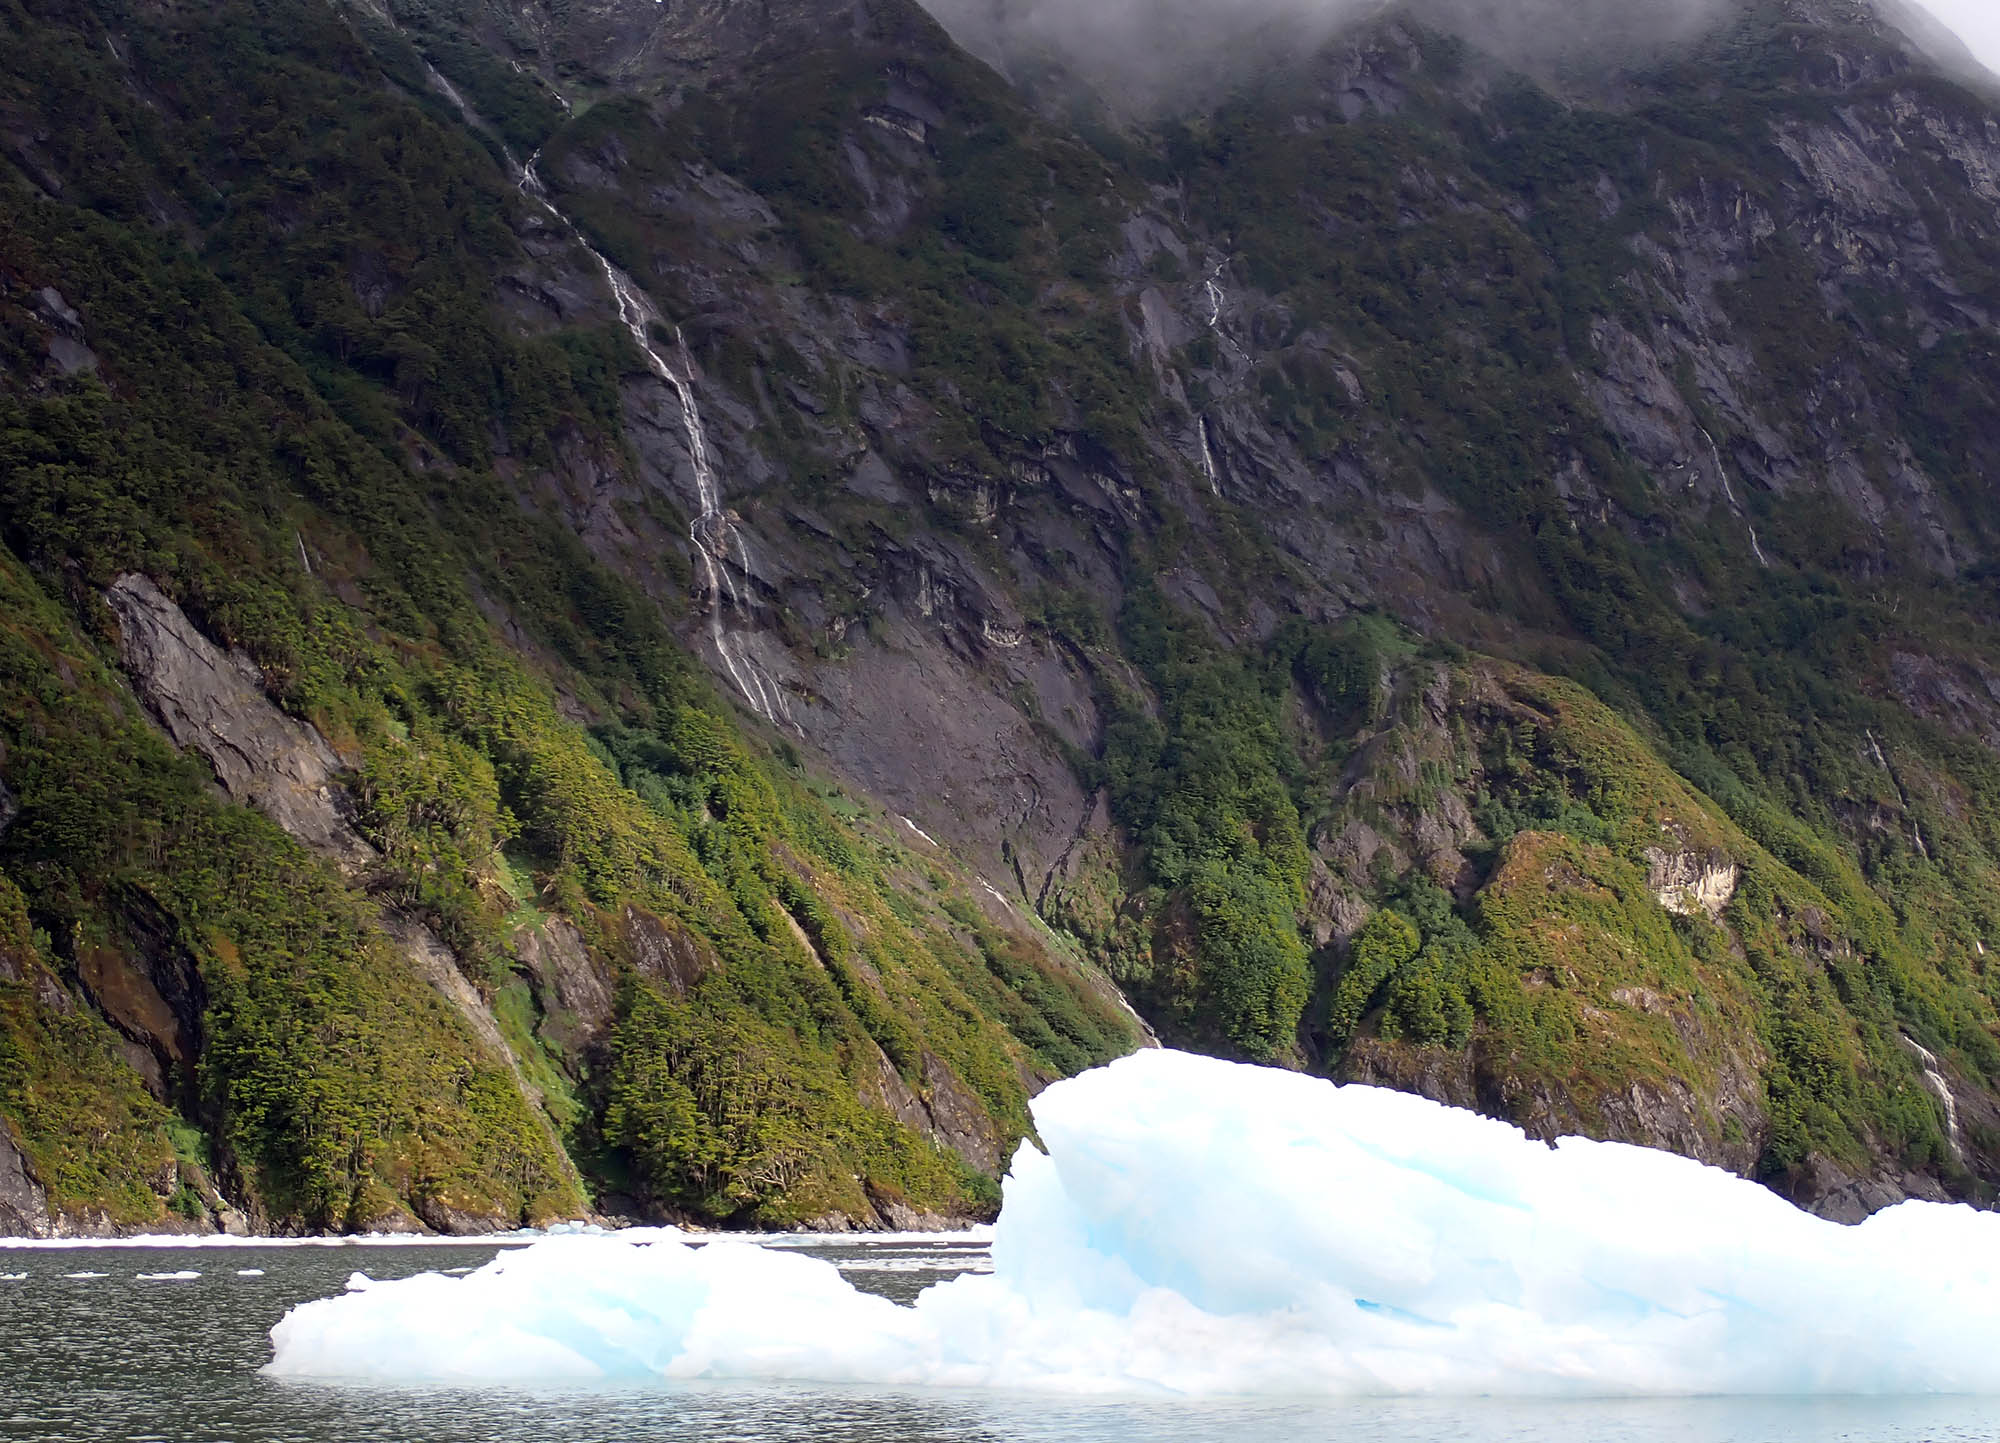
{"x":166,"y":1343}
{"x":718,"y":542}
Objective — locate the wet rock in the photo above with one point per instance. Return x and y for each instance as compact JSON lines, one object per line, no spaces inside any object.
{"x":1832,"y":1191}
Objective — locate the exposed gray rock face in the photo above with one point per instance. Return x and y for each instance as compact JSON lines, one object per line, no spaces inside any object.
{"x":10,"y":808}
{"x":665,"y":952}
{"x":213,"y":701}
{"x":958,"y":1120}
{"x":949,"y":1116}
{"x":574,"y":985}
{"x":1831,"y":1191}
{"x":24,"y":1206}
{"x":434,"y":962}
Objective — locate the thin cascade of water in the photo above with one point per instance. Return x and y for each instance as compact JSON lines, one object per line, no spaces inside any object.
{"x":1217,"y":298}
{"x":1729,"y":495}
{"x":711,"y":533}
{"x":1208,"y":459}
{"x":450,"y":92}
{"x":1934,"y":1079}
{"x":1902,"y":793}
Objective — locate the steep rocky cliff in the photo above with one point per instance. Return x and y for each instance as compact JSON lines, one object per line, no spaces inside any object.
{"x":1467,"y":570}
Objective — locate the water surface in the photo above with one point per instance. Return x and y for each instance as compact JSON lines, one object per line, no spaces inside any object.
{"x":119,"y":1357}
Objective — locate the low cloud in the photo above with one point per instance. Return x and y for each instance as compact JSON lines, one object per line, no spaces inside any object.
{"x":1147,"y":51}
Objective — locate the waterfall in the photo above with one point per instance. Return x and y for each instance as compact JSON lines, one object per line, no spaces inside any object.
{"x":1729,"y":494}
{"x":1208,"y":459}
{"x":449,"y":92}
{"x":1934,"y":1079}
{"x":1903,"y":795}
{"x":1217,"y":298}
{"x":712,"y":533}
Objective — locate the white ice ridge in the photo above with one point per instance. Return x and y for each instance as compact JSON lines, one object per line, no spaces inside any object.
{"x":1199,"y":1227}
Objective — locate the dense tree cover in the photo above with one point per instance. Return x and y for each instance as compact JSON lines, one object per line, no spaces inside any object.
{"x":1202,"y":784}
{"x":95,"y":1139}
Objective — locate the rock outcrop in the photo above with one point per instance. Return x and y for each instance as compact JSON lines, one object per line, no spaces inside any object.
{"x":1690,"y":885}
{"x":213,"y":702}
{"x":24,"y":1206}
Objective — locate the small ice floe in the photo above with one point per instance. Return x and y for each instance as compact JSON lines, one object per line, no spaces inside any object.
{"x":180,"y":1277}
{"x":13,"y":1277}
{"x":249,"y":1272}
{"x":81,"y":1276}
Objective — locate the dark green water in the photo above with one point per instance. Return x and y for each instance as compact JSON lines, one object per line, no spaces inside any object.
{"x":119,"y":1358}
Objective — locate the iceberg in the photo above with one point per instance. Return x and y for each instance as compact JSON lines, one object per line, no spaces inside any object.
{"x":1197,"y":1227}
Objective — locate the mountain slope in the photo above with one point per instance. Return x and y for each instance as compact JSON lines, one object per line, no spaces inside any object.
{"x":537,"y":904}
{"x":1466,"y":581}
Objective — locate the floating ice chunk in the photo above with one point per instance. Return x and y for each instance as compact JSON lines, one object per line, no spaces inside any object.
{"x":1199,"y":1227}
{"x":180,"y":1277}
{"x":81,"y":1276}
{"x":249,"y":1272}
{"x":13,"y":1277}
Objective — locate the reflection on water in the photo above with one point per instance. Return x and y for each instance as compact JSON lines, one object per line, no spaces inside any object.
{"x":89,"y":1350}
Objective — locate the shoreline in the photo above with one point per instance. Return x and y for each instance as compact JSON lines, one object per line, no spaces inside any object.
{"x":981,"y":1233}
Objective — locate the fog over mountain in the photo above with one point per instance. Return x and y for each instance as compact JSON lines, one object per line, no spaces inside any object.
{"x":1954,"y":30}
{"x":1152,"y":52}
{"x":1146,"y":50}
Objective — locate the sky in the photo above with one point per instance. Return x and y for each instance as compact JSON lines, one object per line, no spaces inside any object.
{"x":1977,"y":23}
